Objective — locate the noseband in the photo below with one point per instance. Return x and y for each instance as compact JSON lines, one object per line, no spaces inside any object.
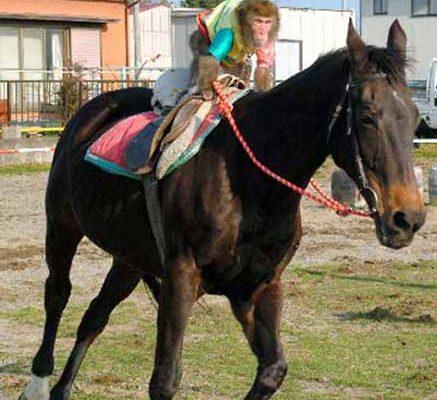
{"x":348,"y":97}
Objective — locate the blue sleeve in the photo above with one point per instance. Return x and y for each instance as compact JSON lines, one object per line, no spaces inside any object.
{"x":222,"y":44}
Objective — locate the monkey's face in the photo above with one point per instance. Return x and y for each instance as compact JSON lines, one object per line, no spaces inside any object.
{"x":260,"y":28}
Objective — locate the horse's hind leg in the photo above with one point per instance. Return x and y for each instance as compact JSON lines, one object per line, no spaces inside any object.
{"x":260,"y":319}
{"x":154,"y":285}
{"x":119,"y":284}
{"x":61,"y":244}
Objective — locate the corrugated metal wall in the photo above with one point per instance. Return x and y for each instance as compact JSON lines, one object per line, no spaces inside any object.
{"x":155,"y":28}
{"x":318,"y":31}
{"x":304,"y":35}
{"x":182,"y":28}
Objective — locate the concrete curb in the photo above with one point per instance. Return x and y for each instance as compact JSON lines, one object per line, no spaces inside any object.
{"x":27,"y":150}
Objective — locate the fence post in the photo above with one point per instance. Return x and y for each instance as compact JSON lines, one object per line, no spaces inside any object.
{"x":9,"y":102}
{"x":123,"y":77}
{"x":80,"y":93}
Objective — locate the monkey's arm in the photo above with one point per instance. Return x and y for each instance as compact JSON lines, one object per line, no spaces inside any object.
{"x":263,"y":79}
{"x":209,"y":64}
{"x":209,"y":68}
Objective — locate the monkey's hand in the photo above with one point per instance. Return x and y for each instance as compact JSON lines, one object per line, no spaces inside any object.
{"x":209,"y":68}
{"x":263,"y":79}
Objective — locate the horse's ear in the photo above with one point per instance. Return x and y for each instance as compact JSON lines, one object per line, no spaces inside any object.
{"x":397,"y":39}
{"x":356,"y":46}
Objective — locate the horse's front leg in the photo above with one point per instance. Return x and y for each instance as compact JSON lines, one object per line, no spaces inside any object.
{"x":260,"y":318}
{"x":178,"y":293}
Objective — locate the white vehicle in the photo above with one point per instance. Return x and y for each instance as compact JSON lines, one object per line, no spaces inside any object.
{"x":428,"y":105}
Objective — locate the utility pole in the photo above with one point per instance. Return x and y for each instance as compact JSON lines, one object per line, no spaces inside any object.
{"x":134,"y":7}
{"x":137,"y":34}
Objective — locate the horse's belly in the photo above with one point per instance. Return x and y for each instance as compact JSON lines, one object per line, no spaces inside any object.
{"x":235,"y":280}
{"x":112,"y":213}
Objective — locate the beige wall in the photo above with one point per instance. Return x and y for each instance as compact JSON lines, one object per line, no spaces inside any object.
{"x":421,"y":33}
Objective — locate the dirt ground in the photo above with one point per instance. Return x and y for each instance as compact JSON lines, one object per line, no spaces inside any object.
{"x":327,"y":239}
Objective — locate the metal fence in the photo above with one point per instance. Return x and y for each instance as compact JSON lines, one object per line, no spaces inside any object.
{"x":418,"y":89}
{"x":48,"y":103}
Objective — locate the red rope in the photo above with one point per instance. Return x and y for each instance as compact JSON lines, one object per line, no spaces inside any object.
{"x":225,"y":108}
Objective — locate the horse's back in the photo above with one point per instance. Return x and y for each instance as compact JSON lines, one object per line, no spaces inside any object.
{"x":106,"y":109}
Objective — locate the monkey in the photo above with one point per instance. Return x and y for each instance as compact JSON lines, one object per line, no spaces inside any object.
{"x":226,"y":38}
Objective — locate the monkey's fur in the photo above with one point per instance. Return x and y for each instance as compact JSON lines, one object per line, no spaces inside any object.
{"x":261,"y":8}
{"x":205,"y":67}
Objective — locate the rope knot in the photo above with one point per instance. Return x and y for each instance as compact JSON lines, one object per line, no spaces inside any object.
{"x":223,"y":105}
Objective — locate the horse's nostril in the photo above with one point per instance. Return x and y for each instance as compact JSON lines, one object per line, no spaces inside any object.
{"x":416,"y":227}
{"x":401,"y":220}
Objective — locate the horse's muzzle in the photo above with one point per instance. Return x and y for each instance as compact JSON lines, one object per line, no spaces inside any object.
{"x":396,"y":229}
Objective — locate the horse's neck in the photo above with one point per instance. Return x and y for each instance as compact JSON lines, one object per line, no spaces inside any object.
{"x":288,"y":126}
{"x":300,"y":112}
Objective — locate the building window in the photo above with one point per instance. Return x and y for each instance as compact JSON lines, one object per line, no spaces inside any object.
{"x":380,"y":7}
{"x":31,"y":52}
{"x":424,"y":7}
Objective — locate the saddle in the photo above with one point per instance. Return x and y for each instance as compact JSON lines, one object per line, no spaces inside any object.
{"x":186,"y":115}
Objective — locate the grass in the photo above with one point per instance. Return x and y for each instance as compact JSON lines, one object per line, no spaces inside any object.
{"x":425,"y":151}
{"x":424,"y":155}
{"x":349,"y":331}
{"x":363,"y":331}
{"x":20,"y":169}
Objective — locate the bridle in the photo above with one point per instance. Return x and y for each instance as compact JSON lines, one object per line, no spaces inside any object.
{"x":225,"y":108}
{"x":348,"y":97}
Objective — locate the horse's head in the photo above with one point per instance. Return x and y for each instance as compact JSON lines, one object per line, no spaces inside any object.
{"x":380,"y":124}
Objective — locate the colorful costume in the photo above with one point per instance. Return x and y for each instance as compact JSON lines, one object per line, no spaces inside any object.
{"x":220,"y":26}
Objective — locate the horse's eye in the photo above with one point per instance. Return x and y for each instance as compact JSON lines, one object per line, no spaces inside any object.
{"x":368,"y":120}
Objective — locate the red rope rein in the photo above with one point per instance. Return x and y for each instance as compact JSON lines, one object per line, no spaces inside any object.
{"x":225,"y":108}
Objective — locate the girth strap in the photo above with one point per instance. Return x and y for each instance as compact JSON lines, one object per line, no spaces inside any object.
{"x":151,"y":191}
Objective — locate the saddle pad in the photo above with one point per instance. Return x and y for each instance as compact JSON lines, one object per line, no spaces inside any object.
{"x":120,"y":150}
{"x":108,"y":151}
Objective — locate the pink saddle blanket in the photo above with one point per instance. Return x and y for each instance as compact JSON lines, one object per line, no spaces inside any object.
{"x":112,"y":144}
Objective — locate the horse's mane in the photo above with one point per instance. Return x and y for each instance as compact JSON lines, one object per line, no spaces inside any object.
{"x":389,"y":62}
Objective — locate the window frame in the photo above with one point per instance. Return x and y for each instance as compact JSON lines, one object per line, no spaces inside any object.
{"x":66,"y":51}
{"x":427,"y":14}
{"x":378,"y":7}
{"x":300,"y":47}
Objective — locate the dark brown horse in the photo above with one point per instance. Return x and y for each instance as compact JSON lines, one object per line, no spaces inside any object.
{"x":230,"y":229}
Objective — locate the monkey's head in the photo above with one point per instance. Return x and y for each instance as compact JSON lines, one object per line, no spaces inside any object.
{"x":259,"y":22}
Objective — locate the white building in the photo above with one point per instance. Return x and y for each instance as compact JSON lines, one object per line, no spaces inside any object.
{"x":153,"y":33}
{"x":184,"y":23}
{"x":305,"y":34}
{"x":417,"y":17}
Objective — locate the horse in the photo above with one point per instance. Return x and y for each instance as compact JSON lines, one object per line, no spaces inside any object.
{"x":229,"y":228}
